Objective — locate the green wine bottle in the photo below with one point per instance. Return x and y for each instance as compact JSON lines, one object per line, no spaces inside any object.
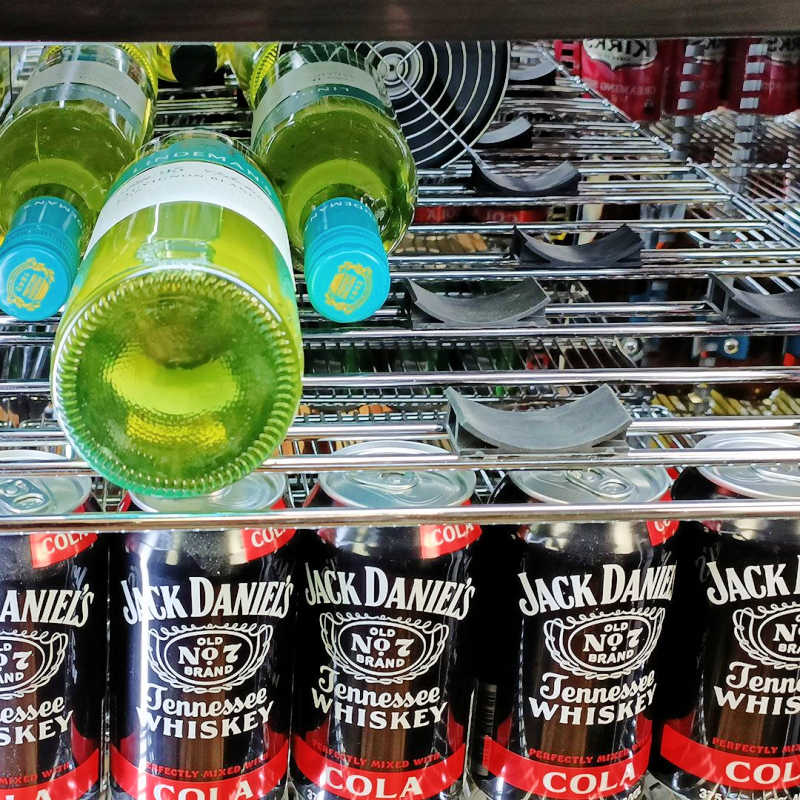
{"x":252,"y":62}
{"x":80,"y":118}
{"x":178,"y":361}
{"x":194,"y":64}
{"x":329,"y":141}
{"x":5,"y":79}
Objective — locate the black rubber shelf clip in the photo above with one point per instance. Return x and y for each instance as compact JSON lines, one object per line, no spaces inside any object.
{"x":537,"y":73}
{"x":517,"y":133}
{"x":621,"y":245}
{"x":596,"y":420}
{"x":737,"y":304}
{"x":561,"y":180}
{"x":522,"y":299}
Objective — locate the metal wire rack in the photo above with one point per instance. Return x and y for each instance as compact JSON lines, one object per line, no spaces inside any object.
{"x":386,"y":378}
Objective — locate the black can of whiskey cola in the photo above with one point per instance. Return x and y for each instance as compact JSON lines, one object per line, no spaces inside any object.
{"x":202,"y":653}
{"x":382,"y":685}
{"x":570,"y":614}
{"x":731,"y":673}
{"x":52,"y":644}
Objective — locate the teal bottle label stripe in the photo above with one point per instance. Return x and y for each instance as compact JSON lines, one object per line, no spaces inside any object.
{"x":197,"y":149}
{"x":197,"y":172}
{"x":85,"y":80}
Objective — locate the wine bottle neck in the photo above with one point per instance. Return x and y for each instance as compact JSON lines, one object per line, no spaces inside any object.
{"x":346,"y":266}
{"x":39,"y":257}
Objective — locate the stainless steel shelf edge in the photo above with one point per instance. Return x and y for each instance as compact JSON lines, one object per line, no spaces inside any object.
{"x":359,"y":431}
{"x":310,"y":518}
{"x":312,"y":464}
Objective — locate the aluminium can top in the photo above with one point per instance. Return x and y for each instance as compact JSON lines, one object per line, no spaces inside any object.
{"x":594,"y":485}
{"x":46,"y":495}
{"x":259,"y":491}
{"x":394,"y":488}
{"x":773,"y":481}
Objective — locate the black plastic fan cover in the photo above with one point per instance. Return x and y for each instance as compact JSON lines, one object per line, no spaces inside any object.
{"x":445,"y":94}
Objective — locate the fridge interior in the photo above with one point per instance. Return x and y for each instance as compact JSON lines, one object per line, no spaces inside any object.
{"x":712,"y":199}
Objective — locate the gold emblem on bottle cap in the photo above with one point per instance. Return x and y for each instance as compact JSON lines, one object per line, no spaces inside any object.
{"x":28,"y":284}
{"x":350,"y":287}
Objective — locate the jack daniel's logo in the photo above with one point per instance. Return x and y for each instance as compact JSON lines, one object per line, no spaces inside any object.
{"x":753,"y":582}
{"x":208,"y":658}
{"x":770,"y":635}
{"x":604,"y":645}
{"x":254,"y":598}
{"x":568,"y":592}
{"x":617,"y":53}
{"x":47,"y":606}
{"x":28,"y":660}
{"x":382,"y":649}
{"x":336,"y":587}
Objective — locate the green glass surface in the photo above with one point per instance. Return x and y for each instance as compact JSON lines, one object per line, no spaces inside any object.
{"x":71,"y":148}
{"x":178,"y":361}
{"x":251,"y":62}
{"x":337,"y":146}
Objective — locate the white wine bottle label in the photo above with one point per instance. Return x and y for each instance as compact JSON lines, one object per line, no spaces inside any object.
{"x":337,"y":78}
{"x":89,"y":73}
{"x":188,"y":181}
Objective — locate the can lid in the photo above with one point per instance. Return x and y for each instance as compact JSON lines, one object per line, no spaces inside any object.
{"x":259,"y":491}
{"x":594,"y":485}
{"x":397,"y":488}
{"x":40,"y":495}
{"x":754,"y":480}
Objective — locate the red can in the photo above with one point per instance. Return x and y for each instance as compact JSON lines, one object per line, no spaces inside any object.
{"x":515,"y":216}
{"x":768,"y":82}
{"x":383,"y":629}
{"x":568,"y":53}
{"x":728,"y":670}
{"x":52,"y":643}
{"x":202,"y":646}
{"x":563,"y":706}
{"x":628,"y":72}
{"x":436,"y":215}
{"x":687,"y":91}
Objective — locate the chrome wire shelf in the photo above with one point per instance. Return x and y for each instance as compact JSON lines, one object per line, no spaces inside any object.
{"x":716,"y":139}
{"x":385,"y":379}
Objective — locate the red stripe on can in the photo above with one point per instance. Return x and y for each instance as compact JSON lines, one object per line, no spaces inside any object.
{"x":260,"y":542}
{"x":67,"y":786}
{"x":146,"y":786}
{"x":660,"y":530}
{"x":734,"y":770}
{"x":53,"y":548}
{"x":426,"y":215}
{"x":509,"y":216}
{"x":569,"y":783}
{"x":438,"y":540}
{"x":357,"y":784}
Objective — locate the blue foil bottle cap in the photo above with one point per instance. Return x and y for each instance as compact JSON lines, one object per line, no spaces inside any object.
{"x":346,"y":266}
{"x":39,"y":258}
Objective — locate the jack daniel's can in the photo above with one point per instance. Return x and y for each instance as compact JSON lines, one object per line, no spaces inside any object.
{"x":730,"y":675}
{"x":574,"y":611}
{"x":201,"y":653}
{"x":52,"y":644}
{"x":382,"y":688}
